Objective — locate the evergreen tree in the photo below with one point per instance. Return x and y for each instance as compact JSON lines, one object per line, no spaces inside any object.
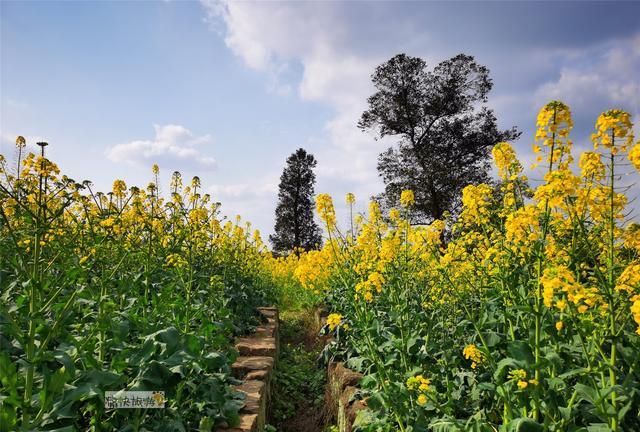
{"x":445,"y":134}
{"x":295,"y":227}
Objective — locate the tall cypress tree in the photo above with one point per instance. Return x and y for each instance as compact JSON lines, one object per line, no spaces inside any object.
{"x":295,"y":227}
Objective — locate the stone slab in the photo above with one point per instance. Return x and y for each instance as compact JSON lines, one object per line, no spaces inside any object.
{"x":341,"y":385}
{"x":265,"y":331}
{"x":257,"y":346}
{"x":258,"y":356}
{"x":254,"y":391}
{"x":245,"y":365}
{"x":248,"y":423}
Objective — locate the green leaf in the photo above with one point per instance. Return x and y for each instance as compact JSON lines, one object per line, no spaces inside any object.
{"x":375,"y":401}
{"x":573,"y":372}
{"x":586,"y":393}
{"x":445,"y":425}
{"x":7,"y":418}
{"x":492,"y":339}
{"x":565,"y":412}
{"x":413,"y":341}
{"x":598,"y":427}
{"x":215,"y":360}
{"x":169,"y":336}
{"x":503,"y":366}
{"x":521,"y":351}
{"x":555,"y":383}
{"x":8,"y":373}
{"x":363,"y":418}
{"x":524,"y":424}
{"x":66,"y":361}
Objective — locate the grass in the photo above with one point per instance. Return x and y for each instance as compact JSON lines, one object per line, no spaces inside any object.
{"x":299,"y":384}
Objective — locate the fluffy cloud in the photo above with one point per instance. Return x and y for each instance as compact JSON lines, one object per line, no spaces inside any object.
{"x":605,"y":74}
{"x":593,"y":80}
{"x":254,"y":200}
{"x":271,"y":37}
{"x":241,"y":191}
{"x":172,"y":144}
{"x":337,"y":52}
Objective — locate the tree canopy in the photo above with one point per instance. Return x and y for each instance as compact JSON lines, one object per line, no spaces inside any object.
{"x":445,"y":132}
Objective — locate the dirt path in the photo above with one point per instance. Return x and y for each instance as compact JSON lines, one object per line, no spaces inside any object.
{"x":299,"y":385}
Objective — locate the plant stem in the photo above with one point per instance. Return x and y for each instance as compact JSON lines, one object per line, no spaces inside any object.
{"x":612,"y":321}
{"x":33,"y":284}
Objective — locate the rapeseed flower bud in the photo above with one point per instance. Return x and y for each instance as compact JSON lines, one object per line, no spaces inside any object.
{"x":350,"y":198}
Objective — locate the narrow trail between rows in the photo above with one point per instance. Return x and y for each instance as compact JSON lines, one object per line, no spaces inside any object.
{"x":299,"y":384}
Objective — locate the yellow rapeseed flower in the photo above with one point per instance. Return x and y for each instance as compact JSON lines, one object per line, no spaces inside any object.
{"x":476,"y":201}
{"x":591,"y":166}
{"x":350,"y":198}
{"x":634,"y":156}
{"x":324,"y":207}
{"x":407,"y":198}
{"x":471,"y":352}
{"x":635,"y":310}
{"x":334,"y":320}
{"x":614,"y":131}
{"x":629,"y":280}
{"x":518,"y":374}
{"x":553,"y":126}
{"x":119,"y":188}
{"x":505,"y":160}
{"x":418,"y":382}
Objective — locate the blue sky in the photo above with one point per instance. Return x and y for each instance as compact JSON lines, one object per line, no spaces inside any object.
{"x":227,"y":90}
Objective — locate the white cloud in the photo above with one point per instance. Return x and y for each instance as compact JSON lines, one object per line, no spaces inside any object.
{"x":255,"y":200}
{"x":267,"y":33}
{"x":270,"y":37}
{"x":321,"y":39}
{"x":604,"y":76}
{"x":591,"y":80}
{"x":241,"y":191}
{"x":172,"y":144}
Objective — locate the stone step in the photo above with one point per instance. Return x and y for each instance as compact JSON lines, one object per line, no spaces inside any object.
{"x":248,"y":423}
{"x":258,"y":356}
{"x":267,"y":330}
{"x":257,"y":346}
{"x":246,"y":365}
{"x":269,"y":312}
{"x":254,"y":391}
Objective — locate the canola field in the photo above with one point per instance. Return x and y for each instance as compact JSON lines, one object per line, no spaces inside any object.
{"x":519,"y":313}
